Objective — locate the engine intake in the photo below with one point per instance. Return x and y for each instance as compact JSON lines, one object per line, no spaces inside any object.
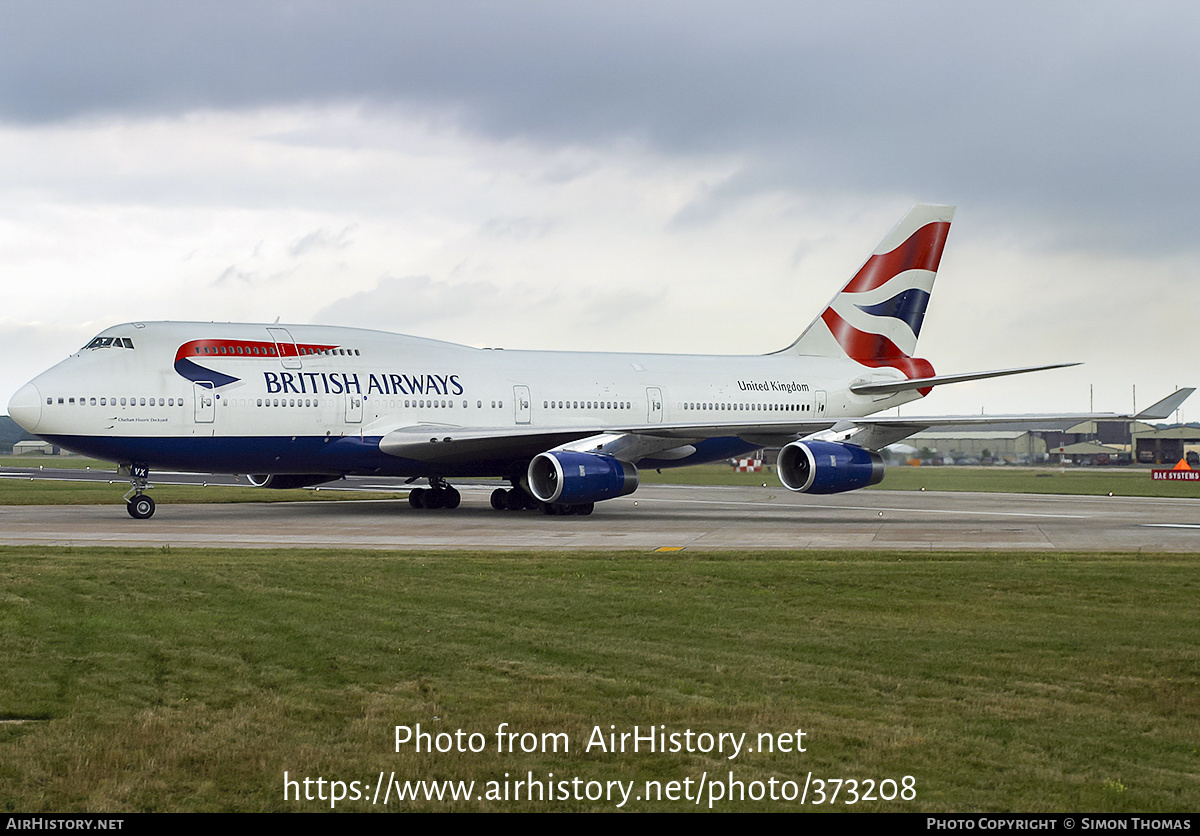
{"x":828,"y":467}
{"x":285,"y":481}
{"x":577,"y":478}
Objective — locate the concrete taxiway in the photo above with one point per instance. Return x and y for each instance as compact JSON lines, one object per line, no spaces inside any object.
{"x":657,"y":516}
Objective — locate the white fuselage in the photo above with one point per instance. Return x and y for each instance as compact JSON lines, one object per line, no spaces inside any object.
{"x":257,"y":398}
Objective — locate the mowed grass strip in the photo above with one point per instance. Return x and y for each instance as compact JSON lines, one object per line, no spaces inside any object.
{"x":61,"y":492}
{"x":1048,"y":480}
{"x":49,"y":489}
{"x":63,"y":462}
{"x":193,"y":679}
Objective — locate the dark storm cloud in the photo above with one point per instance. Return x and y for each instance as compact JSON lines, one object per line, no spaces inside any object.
{"x":1057,"y":110}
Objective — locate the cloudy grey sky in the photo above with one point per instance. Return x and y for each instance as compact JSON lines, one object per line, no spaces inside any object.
{"x":650,"y":176}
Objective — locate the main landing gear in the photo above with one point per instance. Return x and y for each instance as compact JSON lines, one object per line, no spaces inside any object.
{"x":518,"y":499}
{"x":139,"y":505}
{"x":439,"y":494}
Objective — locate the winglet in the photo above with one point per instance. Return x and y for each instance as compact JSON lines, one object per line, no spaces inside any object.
{"x":1163,"y":409}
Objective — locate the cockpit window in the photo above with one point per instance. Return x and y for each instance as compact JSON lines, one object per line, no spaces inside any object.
{"x":110,"y":342}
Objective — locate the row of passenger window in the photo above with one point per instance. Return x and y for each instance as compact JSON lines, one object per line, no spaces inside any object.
{"x":346,"y":352}
{"x":440,"y":404}
{"x":88,"y":401}
{"x":266,"y":351}
{"x":587,"y":405}
{"x":741,"y":407}
{"x":407,"y":404}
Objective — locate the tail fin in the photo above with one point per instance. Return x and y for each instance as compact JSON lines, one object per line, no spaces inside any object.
{"x":876,"y":318}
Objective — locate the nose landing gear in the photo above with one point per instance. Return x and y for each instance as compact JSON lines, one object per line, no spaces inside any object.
{"x":139,"y":505}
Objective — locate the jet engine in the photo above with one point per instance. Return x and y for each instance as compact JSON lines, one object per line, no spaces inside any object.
{"x":284,"y":481}
{"x":562,"y":476}
{"x":827,"y":467}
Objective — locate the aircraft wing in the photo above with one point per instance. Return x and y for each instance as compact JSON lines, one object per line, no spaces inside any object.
{"x":893,"y":386}
{"x":874,"y":433}
{"x":451,"y":444}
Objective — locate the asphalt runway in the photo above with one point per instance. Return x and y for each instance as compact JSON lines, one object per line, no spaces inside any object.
{"x":655,"y":517}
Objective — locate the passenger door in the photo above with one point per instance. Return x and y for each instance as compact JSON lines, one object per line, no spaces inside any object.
{"x":289,"y":354}
{"x":654,"y":405}
{"x":206,"y":401}
{"x":354,"y":408}
{"x":522,"y":405}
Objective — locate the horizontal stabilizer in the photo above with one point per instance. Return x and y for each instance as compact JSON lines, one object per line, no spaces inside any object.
{"x":892,"y":387}
{"x":1163,"y":409}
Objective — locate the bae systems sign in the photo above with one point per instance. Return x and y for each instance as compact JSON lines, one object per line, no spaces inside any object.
{"x":1176,"y":475}
{"x":1181,"y":472}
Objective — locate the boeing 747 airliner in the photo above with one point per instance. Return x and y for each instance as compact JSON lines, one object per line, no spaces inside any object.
{"x":301,"y":405}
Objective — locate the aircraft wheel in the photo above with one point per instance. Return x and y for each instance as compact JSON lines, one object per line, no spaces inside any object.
{"x":450,"y":498}
{"x":500,"y":499}
{"x":416,"y":498}
{"x":433,"y":498}
{"x":515,"y":500}
{"x":141,"y":507}
{"x":585,"y":508}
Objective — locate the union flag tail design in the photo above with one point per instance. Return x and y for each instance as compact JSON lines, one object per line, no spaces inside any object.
{"x":876,"y":318}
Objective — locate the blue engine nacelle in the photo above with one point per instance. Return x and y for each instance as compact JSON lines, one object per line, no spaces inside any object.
{"x":827,"y":467}
{"x":286,"y":481}
{"x":561,"y":476}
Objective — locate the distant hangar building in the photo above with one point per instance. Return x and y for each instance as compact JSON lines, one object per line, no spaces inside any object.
{"x":1166,"y":446}
{"x":1015,"y":445}
{"x":1087,"y":442}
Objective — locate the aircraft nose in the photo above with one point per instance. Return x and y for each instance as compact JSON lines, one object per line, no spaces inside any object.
{"x":26,"y":407}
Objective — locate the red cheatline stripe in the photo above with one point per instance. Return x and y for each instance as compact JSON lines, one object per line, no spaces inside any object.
{"x":921,"y":251}
{"x":243,"y":348}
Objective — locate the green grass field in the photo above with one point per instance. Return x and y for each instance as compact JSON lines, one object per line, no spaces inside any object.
{"x":193,"y":679}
